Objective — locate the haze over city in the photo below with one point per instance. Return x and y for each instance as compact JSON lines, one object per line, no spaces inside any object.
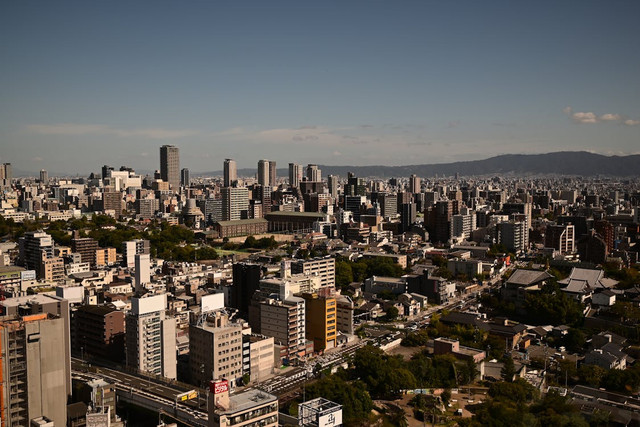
{"x":355,"y":83}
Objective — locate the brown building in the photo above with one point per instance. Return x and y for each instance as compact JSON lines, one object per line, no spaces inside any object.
{"x":112,"y":201}
{"x":52,"y":269}
{"x":106,"y":256}
{"x":292,"y":221}
{"x":242,"y":227}
{"x":99,"y":332}
{"x":87,"y":248}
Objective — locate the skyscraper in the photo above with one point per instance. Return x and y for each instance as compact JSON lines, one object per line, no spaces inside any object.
{"x":230,"y":172}
{"x":44,"y":176}
{"x":295,"y":175}
{"x":263,"y":172}
{"x":313,"y":173}
{"x":414,"y":184}
{"x":235,"y":201}
{"x":185,"y":177}
{"x":6,"y":174}
{"x":332,"y":183}
{"x":272,"y":173}
{"x":170,"y":166}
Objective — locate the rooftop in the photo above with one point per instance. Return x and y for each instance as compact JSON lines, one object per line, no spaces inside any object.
{"x":249,"y":399}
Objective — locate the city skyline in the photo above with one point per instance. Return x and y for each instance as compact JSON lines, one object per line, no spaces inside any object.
{"x":334,"y":84}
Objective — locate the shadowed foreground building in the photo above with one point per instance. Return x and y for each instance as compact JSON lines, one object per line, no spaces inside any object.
{"x":34,"y":370}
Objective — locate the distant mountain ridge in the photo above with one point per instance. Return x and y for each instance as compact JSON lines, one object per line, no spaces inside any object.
{"x":580,"y":163}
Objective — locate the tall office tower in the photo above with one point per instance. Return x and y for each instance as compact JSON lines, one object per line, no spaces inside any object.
{"x":170,"y":166}
{"x":215,"y":350}
{"x":143,"y":271}
{"x":332,"y":183}
{"x":295,"y":175}
{"x":35,"y":246}
{"x":235,"y":203}
{"x":44,"y":176}
{"x":353,"y":204}
{"x":212,"y":210}
{"x":36,"y":374}
{"x":262,"y":194}
{"x":407,"y":216}
{"x":185,"y":178}
{"x":321,"y":318}
{"x":6,"y":174}
{"x":272,"y":173}
{"x":388,"y":204}
{"x":246,"y":281}
{"x":355,"y":186}
{"x":151,"y":337}
{"x":131,"y":248}
{"x":263,"y":172}
{"x":414,"y":184}
{"x":86,"y":247}
{"x":313,"y":173}
{"x":230,"y":172}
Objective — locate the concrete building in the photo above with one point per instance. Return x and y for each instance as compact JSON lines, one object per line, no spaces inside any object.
{"x":241,"y":227}
{"x":321,"y":321}
{"x":344,"y":314}
{"x":284,"y":320}
{"x":263,"y":173}
{"x":34,"y":247}
{"x":273,"y":175}
{"x":143,"y":271}
{"x":414,"y":184}
{"x":151,"y":337}
{"x":185,"y":178}
{"x":170,"y":166}
{"x":235,"y":203}
{"x":132,"y":248}
{"x":99,"y":331}
{"x":230,"y":172}
{"x":512,"y":235}
{"x":295,"y":175}
{"x":324,"y":268}
{"x":332,"y":184}
{"x":314,"y":174}
{"x":257,"y":356}
{"x":36,"y":374}
{"x":250,"y":408}
{"x":87,"y":248}
{"x":319,"y":412}
{"x":215,"y":350}
{"x":246,"y":281}
{"x":105,"y":256}
{"x":52,"y":270}
{"x":561,"y":238}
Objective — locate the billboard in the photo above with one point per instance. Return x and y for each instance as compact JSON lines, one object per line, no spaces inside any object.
{"x":331,"y":420}
{"x":217,"y":387}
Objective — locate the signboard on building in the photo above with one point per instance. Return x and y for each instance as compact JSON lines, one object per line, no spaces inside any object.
{"x":332,"y":419}
{"x":217,"y":387}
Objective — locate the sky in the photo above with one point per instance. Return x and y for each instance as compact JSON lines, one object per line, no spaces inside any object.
{"x":84,"y":84}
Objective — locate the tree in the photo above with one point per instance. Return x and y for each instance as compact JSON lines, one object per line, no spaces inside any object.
{"x":392,"y":314}
{"x":508,"y":370}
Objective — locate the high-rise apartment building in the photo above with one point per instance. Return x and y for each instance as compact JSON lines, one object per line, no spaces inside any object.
{"x":86,"y":247}
{"x":133,"y":247}
{"x":295,"y":175}
{"x":35,"y":373}
{"x":561,"y":238}
{"x":513,"y":235}
{"x":6,"y":175}
{"x":263,"y":172}
{"x":170,"y":166}
{"x":99,"y":331}
{"x":230,"y":172}
{"x":151,"y":337}
{"x":35,"y":246}
{"x":44,"y":176}
{"x":235,"y":203}
{"x":143,"y":271}
{"x":215,"y":350}
{"x":284,"y":320}
{"x":323,"y":268}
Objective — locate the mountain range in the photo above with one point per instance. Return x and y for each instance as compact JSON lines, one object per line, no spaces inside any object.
{"x":578,"y":163}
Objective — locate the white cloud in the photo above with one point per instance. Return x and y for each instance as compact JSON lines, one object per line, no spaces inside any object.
{"x":610,"y":117}
{"x":74,"y":129}
{"x":584,"y":118}
{"x":632,"y":122}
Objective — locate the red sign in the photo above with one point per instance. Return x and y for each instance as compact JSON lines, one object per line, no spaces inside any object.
{"x":217,"y":387}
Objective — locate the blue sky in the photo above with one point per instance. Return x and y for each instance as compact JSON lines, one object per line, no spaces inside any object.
{"x":358,"y":82}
